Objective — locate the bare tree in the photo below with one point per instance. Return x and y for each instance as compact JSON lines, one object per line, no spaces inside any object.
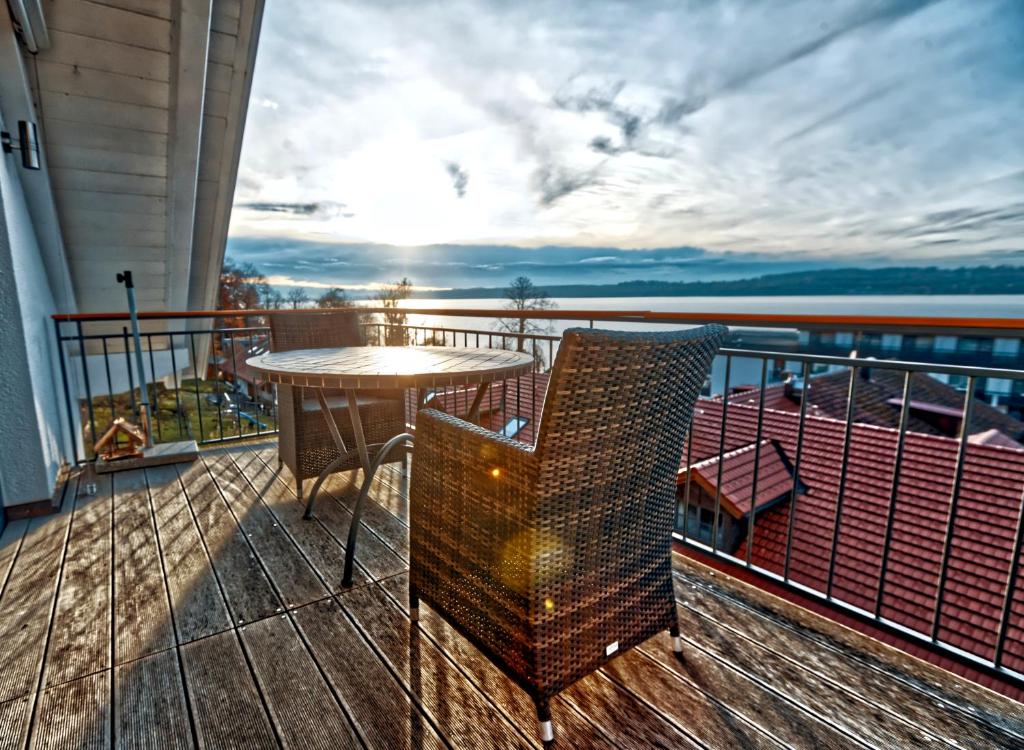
{"x":390,"y":297}
{"x":523,"y":295}
{"x":335,"y":297}
{"x":297,"y":297}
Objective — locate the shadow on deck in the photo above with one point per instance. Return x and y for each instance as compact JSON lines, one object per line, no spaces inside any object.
{"x":193,"y":606}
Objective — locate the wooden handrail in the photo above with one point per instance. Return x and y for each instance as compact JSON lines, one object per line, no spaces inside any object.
{"x":760,"y":320}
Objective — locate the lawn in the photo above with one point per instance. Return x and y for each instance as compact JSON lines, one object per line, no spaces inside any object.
{"x":191,"y":411}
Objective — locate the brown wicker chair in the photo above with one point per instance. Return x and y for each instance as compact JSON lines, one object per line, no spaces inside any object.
{"x":553,"y":559}
{"x":304,"y":443}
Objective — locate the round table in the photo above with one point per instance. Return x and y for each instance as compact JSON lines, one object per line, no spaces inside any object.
{"x":363,"y":368}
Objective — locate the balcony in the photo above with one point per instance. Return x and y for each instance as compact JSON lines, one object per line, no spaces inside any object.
{"x":194,"y":605}
{"x":867,"y":513}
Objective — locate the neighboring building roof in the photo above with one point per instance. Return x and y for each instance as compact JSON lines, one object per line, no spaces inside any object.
{"x":879,"y":397}
{"x":983,"y":536}
{"x":994,"y":437}
{"x":774,"y":472}
{"x":521,"y":397}
{"x":235,"y":351}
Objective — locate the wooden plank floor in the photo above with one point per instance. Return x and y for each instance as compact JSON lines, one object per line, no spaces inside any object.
{"x":192,"y":606}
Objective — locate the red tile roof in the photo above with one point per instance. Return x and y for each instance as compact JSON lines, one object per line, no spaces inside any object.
{"x":879,"y":396}
{"x":774,"y":472}
{"x":990,"y":501}
{"x":520,"y":397}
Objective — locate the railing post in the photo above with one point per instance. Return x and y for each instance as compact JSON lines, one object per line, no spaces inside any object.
{"x":796,"y":469}
{"x":85,"y":381}
{"x":757,"y":462}
{"x":947,"y":546}
{"x":890,"y":519}
{"x":61,"y":353}
{"x":851,"y":411}
{"x":1011,"y":586}
{"x":721,"y":455}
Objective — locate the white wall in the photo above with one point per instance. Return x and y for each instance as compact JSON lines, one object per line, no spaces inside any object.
{"x":34,"y":284}
{"x":31,"y":443}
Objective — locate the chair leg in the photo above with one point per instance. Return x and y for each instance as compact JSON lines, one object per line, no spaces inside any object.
{"x":677,"y":641}
{"x":298,"y":489}
{"x":547,"y":731}
{"x":280,"y":461}
{"x":414,"y":604}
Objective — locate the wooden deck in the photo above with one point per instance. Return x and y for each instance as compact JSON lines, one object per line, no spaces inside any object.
{"x":193,"y":606}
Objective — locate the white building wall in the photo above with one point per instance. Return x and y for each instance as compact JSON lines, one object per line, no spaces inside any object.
{"x":31,"y":442}
{"x":34,"y":284}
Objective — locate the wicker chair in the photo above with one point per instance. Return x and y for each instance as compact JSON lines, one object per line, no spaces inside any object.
{"x":304,"y":443}
{"x":553,"y":559}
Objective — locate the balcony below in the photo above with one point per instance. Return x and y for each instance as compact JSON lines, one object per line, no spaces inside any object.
{"x":192,"y":606}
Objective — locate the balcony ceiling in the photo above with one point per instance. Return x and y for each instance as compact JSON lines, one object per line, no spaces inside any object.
{"x":195,"y":604}
{"x":141,"y":105}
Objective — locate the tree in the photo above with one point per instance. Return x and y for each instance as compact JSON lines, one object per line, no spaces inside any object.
{"x":270,"y":298}
{"x":335,"y":297}
{"x":240,"y":286}
{"x":297,"y":297}
{"x":523,"y":295}
{"x":390,"y":296}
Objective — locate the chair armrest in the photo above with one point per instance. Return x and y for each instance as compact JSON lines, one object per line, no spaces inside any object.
{"x":471,"y":501}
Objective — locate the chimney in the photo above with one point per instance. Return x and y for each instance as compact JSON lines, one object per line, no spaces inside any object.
{"x":794,"y":388}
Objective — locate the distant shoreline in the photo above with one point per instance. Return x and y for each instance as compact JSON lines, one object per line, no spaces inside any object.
{"x":979,"y":280}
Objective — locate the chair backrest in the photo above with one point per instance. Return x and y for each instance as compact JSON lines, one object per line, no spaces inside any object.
{"x":613,"y":428}
{"x":314,"y":330}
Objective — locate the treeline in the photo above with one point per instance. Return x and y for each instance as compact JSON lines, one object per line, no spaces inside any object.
{"x":843,"y":281}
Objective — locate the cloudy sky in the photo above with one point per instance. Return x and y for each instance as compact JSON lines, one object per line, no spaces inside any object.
{"x":852,"y":129}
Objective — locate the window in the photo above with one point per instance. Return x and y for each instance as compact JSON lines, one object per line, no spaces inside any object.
{"x":513,"y":427}
{"x":844,"y":338}
{"x":700,"y":523}
{"x":973,"y":344}
{"x":891,"y":341}
{"x":1006,"y":347}
{"x":1001,"y":386}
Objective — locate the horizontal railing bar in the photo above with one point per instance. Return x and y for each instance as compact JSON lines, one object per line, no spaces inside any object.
{"x":881,"y":364}
{"x":903,"y":324}
{"x":509,"y":334}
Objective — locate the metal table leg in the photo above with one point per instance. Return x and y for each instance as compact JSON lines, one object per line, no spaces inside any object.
{"x":474,"y":410}
{"x":357,"y":511}
{"x":339,"y":443}
{"x":369,"y":469}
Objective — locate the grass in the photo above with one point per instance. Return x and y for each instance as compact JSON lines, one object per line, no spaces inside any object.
{"x":180,"y":414}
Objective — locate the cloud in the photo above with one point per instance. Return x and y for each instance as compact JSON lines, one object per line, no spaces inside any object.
{"x":460,"y":178}
{"x":290,"y":281}
{"x":298,"y":209}
{"x":838,"y":129}
{"x":554,"y":183}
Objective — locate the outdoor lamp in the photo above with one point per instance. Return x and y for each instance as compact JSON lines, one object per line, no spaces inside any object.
{"x":27,"y":143}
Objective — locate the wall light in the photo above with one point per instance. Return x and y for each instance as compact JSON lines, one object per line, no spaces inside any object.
{"x":27,"y":143}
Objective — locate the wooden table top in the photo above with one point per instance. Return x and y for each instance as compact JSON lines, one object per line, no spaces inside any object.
{"x":390,"y":366}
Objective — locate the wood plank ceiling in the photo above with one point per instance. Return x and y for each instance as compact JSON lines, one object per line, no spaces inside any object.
{"x":120,"y":92}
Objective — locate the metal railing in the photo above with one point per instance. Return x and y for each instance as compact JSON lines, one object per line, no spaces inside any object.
{"x":213,"y":404}
{"x":821,"y":538}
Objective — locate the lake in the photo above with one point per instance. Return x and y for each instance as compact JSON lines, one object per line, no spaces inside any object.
{"x":966,"y":306}
{"x":747,"y":370}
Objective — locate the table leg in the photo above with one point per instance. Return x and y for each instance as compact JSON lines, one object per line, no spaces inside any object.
{"x":357,"y":428}
{"x":339,"y":443}
{"x":357,"y":510}
{"x":474,"y":410}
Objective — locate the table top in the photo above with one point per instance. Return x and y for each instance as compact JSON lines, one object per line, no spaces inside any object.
{"x":390,"y":366}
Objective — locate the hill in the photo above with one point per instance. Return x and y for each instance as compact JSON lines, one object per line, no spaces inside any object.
{"x":843,"y":281}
